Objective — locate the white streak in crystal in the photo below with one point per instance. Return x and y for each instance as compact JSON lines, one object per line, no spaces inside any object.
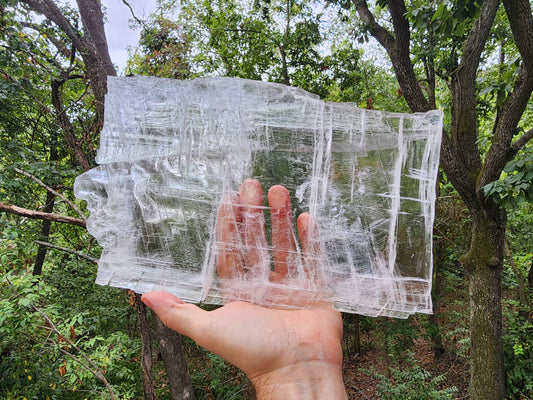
{"x":170,"y":150}
{"x":395,"y":194}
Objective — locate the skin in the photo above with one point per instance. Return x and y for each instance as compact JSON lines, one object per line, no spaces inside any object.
{"x":286,"y":354}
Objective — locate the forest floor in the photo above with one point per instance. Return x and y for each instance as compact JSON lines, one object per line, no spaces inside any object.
{"x":360,"y":369}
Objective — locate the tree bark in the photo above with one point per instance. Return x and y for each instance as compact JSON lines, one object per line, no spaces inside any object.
{"x":397,"y":47}
{"x":97,"y":59}
{"x":92,"y":44}
{"x":48,"y":208}
{"x":484,"y":265}
{"x":462,"y":162}
{"x":146,"y":350}
{"x":24,"y":212}
{"x":175,"y":362}
{"x":45,"y":234}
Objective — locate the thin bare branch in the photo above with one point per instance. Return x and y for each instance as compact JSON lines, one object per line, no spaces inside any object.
{"x":92,"y":367}
{"x":137,"y":19}
{"x":24,"y":212}
{"x":76,"y":253}
{"x":522,"y":141}
{"x":40,"y":183}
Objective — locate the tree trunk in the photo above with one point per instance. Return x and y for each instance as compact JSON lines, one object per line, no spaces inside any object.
{"x":434,"y":329}
{"x":45,"y":234}
{"x":48,"y":208}
{"x":146,"y":350}
{"x":175,"y":363}
{"x":484,"y":265}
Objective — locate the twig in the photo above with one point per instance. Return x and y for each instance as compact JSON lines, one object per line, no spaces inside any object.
{"x":139,"y":21}
{"x":92,"y":367}
{"x":76,"y":253}
{"x":358,"y":390}
{"x":40,"y":183}
{"x":24,"y":212}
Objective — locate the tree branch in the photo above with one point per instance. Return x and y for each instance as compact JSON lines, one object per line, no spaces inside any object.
{"x":465,"y":165}
{"x":397,"y":48}
{"x":522,"y":141}
{"x":76,"y":253}
{"x":477,"y":38}
{"x":383,"y":36}
{"x":501,"y":150}
{"x":24,"y":212}
{"x":40,"y":183}
{"x":521,"y":21}
{"x":92,"y":367}
{"x":50,"y":10}
{"x":56,"y":42}
{"x":66,"y":125}
{"x":137,"y":19}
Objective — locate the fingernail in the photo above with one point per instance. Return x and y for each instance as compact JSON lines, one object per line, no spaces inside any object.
{"x":278,"y":197}
{"x":145,"y":298}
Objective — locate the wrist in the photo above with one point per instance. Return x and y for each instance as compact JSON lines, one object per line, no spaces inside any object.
{"x":307,"y":380}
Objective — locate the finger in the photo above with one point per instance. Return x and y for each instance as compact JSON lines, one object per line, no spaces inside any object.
{"x":184,"y":318}
{"x":283,"y":240}
{"x":308,"y":233}
{"x":253,"y":229}
{"x":230,"y":263}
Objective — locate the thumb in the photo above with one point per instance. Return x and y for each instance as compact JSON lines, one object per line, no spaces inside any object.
{"x":184,"y":318}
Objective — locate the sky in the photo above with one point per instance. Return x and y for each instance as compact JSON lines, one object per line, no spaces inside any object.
{"x":119,"y":35}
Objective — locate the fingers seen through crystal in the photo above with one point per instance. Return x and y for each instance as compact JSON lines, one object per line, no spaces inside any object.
{"x":230,"y":263}
{"x":243,"y":249}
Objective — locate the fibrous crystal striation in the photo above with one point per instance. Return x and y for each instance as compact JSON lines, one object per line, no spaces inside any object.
{"x":170,"y":150}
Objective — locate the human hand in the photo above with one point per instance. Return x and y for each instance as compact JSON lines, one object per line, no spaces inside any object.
{"x":286,"y":354}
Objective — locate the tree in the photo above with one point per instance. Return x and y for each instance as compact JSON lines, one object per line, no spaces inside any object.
{"x":56,"y":98}
{"x":467,"y":26}
{"x":264,"y":40}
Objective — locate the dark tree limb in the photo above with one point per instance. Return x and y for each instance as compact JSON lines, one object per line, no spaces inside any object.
{"x":70,"y":251}
{"x":66,"y":125}
{"x":502,"y":150}
{"x":45,"y":234}
{"x":521,"y":21}
{"x":384,"y":37}
{"x":465,"y":165}
{"x":92,"y":44}
{"x":24,"y":212}
{"x":175,"y":362}
{"x":60,"y":46}
{"x":146,"y":349}
{"x":522,"y":141}
{"x":397,"y":48}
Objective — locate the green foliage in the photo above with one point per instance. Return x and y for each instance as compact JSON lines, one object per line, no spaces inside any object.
{"x":518,"y":350}
{"x":516,"y":185}
{"x":164,"y":50}
{"x":412,"y":382}
{"x":394,"y":337}
{"x":218,"y":380}
{"x":271,"y":40}
{"x":51,"y":327}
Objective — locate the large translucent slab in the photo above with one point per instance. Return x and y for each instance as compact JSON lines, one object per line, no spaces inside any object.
{"x":171,"y":149}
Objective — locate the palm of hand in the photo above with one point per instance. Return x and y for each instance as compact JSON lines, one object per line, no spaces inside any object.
{"x":273,"y":347}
